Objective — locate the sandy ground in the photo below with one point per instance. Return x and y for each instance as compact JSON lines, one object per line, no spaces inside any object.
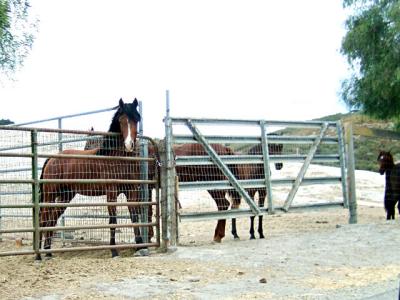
{"x":305,"y":255}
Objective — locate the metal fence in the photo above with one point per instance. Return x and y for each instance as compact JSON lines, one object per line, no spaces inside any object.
{"x":23,"y":152}
{"x":220,"y":163}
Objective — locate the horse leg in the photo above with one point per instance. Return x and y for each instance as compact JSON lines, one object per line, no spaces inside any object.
{"x":222,"y":204}
{"x":261,"y":198}
{"x":112,"y":213}
{"x":47,"y":195}
{"x":134,"y":213}
{"x":236,"y":203}
{"x":65,"y":196}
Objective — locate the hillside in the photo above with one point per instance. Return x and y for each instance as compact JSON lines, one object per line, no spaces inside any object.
{"x":370,"y":136}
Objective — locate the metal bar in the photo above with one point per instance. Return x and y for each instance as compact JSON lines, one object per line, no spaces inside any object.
{"x":225,"y":170}
{"x":66,"y":116}
{"x":99,"y":157}
{"x":35,"y":193}
{"x":101,"y":247}
{"x":238,"y":213}
{"x":144,"y":175}
{"x":252,"y":159}
{"x":342,"y":163}
{"x":77,"y":249}
{"x":267,"y":171}
{"x":351,"y":181}
{"x":65,"y":228}
{"x":197,"y":121}
{"x":254,"y":183}
{"x":21,"y":230}
{"x":304,"y":168}
{"x":184,"y":139}
{"x":107,"y":204}
{"x":99,"y":181}
{"x":22,"y":252}
{"x":173,"y":238}
{"x":60,"y":149}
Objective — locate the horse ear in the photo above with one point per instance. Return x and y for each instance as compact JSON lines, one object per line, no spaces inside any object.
{"x":135,"y":102}
{"x":121,"y":103}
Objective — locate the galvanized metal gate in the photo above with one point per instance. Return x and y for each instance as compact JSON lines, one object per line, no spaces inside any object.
{"x":324,"y":143}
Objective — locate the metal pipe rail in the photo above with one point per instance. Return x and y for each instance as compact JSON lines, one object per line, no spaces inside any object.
{"x":100,"y":204}
{"x":198,"y":121}
{"x":89,"y":248}
{"x":272,"y":139}
{"x":255,"y":183}
{"x":237,"y":213}
{"x":251,"y":159}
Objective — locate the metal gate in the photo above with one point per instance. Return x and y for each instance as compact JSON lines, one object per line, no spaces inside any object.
{"x":300,"y":146}
{"x":85,"y":225}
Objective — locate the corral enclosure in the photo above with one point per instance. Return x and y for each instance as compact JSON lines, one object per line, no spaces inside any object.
{"x":23,"y":152}
{"x":265,"y":158}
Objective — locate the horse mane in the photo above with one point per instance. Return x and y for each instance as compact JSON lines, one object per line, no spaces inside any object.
{"x":111,"y":143}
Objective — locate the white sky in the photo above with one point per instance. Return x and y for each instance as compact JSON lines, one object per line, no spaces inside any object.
{"x":253,"y":59}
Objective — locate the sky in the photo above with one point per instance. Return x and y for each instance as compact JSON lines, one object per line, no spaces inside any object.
{"x":254,"y":59}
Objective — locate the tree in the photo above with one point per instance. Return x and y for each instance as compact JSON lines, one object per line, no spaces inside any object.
{"x":16,"y":34}
{"x":372,"y":48}
{"x":5,"y":122}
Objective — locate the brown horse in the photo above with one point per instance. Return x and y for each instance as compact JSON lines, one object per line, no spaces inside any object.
{"x":192,"y":173}
{"x":392,"y":186}
{"x":256,"y":171}
{"x":124,"y":122}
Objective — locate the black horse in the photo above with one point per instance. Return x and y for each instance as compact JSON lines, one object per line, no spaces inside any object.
{"x":392,"y":186}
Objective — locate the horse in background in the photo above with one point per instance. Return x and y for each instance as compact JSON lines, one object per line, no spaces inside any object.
{"x":392,"y":185}
{"x":193,"y":173}
{"x":124,"y":122}
{"x":256,"y":171}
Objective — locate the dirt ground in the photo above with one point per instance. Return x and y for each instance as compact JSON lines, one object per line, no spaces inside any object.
{"x":313,"y":255}
{"x":305,"y":255}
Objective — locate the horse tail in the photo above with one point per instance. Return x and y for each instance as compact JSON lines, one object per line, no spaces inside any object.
{"x":41,"y":184}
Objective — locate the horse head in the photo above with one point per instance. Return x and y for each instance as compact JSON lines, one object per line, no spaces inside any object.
{"x":125,"y":121}
{"x":385,"y":161}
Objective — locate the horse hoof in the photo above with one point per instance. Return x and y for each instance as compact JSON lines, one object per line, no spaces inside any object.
{"x":262,"y":237}
{"x":217,"y":240}
{"x":115,"y":257}
{"x":236,"y":238}
{"x":144,"y":252}
{"x":252,"y":237}
{"x":38,"y":258}
{"x":48,"y":256}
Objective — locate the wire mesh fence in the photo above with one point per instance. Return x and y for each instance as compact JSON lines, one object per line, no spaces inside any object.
{"x":77,"y":191}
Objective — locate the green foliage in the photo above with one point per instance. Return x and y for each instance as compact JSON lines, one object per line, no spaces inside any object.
{"x":16,"y":34}
{"x":5,"y":122}
{"x":372,"y":47}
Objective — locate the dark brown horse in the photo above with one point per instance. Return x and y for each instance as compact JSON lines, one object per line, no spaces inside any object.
{"x":192,"y":173}
{"x":124,"y":122}
{"x":256,"y":171}
{"x":392,"y":186}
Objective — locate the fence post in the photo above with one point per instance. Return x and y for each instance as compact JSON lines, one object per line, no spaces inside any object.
{"x":35,"y":192}
{"x":144,"y":175}
{"x":351,"y":181}
{"x":267,"y":170}
{"x":168,"y":212}
{"x":342,"y":153}
{"x":60,"y":149}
